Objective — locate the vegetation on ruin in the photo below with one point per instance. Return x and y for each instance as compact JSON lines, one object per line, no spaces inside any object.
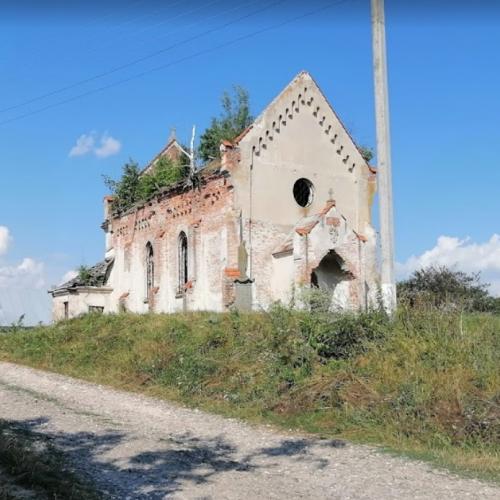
{"x":366,"y":153}
{"x":234,"y":119}
{"x":425,"y":384}
{"x":132,"y":187}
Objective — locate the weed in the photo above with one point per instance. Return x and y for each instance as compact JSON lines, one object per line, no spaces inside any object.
{"x":425,"y":383}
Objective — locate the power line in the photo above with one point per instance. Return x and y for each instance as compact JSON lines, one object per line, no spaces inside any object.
{"x":92,"y":22}
{"x":140,"y":59}
{"x":125,"y":35}
{"x":177,"y":61}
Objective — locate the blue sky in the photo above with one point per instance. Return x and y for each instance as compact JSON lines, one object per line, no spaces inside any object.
{"x":444,"y":78}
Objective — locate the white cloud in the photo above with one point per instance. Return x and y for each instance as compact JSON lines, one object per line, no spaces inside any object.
{"x":90,"y":143}
{"x":5,"y":239}
{"x":22,"y":287}
{"x":109,"y":147}
{"x":27,"y":274}
{"x":462,"y":254}
{"x":23,"y":292}
{"x":69,"y":275}
{"x":84,"y":145}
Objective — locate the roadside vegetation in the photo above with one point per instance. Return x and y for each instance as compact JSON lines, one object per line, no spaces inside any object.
{"x":30,"y":467}
{"x":426,"y":383}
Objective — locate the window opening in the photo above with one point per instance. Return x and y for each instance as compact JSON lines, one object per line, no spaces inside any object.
{"x":183,"y":260}
{"x":303,"y":192}
{"x":150,"y":277}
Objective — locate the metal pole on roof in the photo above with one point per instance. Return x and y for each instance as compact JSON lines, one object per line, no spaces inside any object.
{"x":191,"y":151}
{"x":384,"y":174}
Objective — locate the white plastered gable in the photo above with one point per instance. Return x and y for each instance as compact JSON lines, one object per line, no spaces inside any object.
{"x":299,"y":134}
{"x":303,"y":94}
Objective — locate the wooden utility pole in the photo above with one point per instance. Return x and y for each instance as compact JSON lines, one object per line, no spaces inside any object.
{"x":384,"y":174}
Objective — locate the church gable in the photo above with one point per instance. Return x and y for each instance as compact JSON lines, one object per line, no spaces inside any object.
{"x":173,"y":150}
{"x":299,"y":145}
{"x":303,"y":101}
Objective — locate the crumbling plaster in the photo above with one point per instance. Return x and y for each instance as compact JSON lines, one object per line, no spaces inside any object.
{"x":247,"y":209}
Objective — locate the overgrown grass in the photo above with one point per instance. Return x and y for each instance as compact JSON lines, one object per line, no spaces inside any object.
{"x":31,"y":465}
{"x":426,"y":384}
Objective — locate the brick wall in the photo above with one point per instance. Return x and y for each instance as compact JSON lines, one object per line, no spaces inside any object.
{"x":207,"y":217}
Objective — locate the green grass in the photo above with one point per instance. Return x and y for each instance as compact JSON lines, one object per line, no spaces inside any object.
{"x":426,"y":385}
{"x":29,"y":462}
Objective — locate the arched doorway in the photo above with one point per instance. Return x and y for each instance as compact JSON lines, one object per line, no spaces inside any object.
{"x":331,"y":277}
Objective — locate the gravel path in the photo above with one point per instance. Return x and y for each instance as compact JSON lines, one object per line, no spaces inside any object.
{"x":137,"y":447}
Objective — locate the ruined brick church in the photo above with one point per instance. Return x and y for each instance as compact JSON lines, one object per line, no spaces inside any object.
{"x":287,"y":206}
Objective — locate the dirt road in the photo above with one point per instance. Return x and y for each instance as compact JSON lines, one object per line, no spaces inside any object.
{"x":136,"y":447}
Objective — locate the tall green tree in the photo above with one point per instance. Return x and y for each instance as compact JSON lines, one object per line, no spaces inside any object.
{"x":126,"y":190}
{"x":234,"y":119}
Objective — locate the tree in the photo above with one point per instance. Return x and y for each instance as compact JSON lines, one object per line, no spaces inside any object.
{"x":235,"y":118}
{"x":445,"y":288}
{"x":165,"y":172}
{"x":126,"y":190}
{"x":133,"y":187}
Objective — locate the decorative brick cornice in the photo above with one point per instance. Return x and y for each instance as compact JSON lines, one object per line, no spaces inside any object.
{"x":304,"y":99}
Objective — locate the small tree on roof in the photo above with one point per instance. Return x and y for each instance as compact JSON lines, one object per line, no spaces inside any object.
{"x":235,"y":118}
{"x":126,"y":190}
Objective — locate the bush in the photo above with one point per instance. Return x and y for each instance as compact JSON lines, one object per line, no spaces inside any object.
{"x":444,"y":288}
{"x":164,"y":173}
{"x":425,"y":382}
{"x":133,"y":187}
{"x":341,"y":335}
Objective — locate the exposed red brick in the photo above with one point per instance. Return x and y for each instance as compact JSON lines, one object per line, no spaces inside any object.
{"x":333,"y":221}
{"x":232,"y":272}
{"x":243,"y":134}
{"x":329,"y":205}
{"x":306,"y":229}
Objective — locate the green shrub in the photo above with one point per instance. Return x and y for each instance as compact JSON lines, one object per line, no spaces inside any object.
{"x":133,"y":187}
{"x":444,"y":288}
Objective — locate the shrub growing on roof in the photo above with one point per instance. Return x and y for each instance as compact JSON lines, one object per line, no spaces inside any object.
{"x":133,"y":187}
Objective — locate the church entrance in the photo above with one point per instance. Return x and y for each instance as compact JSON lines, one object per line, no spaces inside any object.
{"x":331,"y":277}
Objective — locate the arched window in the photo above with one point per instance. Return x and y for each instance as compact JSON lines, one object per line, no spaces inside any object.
{"x":183,"y":260}
{"x":150,"y":269}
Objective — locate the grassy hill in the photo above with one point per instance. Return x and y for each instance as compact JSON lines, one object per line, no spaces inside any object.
{"x":426,"y":384}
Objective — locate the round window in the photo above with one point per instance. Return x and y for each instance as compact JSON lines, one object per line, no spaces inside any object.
{"x":303,"y":191}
